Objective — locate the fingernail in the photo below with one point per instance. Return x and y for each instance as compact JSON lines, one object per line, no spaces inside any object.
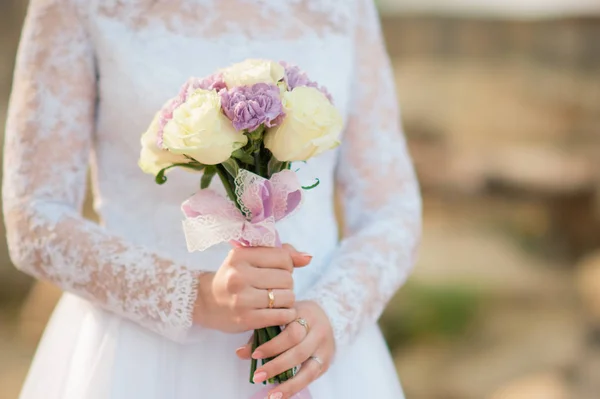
{"x":305,"y":255}
{"x":241,"y":348}
{"x":259,"y":377}
{"x":257,"y":355}
{"x":276,"y":395}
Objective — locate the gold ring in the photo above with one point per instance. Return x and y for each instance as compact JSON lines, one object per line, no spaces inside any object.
{"x":303,"y":323}
{"x":271,"y":298}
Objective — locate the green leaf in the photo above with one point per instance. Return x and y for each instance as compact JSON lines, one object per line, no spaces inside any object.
{"x":243,"y":156}
{"x":232,"y":167}
{"x":209,"y":172}
{"x":312,"y":186}
{"x":161,"y":178}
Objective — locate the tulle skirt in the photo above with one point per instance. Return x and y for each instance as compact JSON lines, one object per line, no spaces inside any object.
{"x":87,"y":353}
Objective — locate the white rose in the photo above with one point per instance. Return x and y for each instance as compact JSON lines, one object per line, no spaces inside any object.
{"x":311,"y":125}
{"x":200,"y":130}
{"x":251,"y":71}
{"x":152,"y":158}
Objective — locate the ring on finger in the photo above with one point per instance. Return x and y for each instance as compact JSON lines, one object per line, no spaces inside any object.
{"x":318,"y":360}
{"x":271,"y":298}
{"x":303,"y":323}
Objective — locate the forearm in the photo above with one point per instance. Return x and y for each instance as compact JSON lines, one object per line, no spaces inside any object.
{"x":369,"y":266}
{"x":51,"y":241}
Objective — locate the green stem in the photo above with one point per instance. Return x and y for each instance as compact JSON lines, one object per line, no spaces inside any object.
{"x":229,"y":188}
{"x":265,"y":335}
{"x":289,"y":374}
{"x":264,"y":169}
{"x":273,"y":332}
{"x":263,"y":338}
{"x":257,"y":165}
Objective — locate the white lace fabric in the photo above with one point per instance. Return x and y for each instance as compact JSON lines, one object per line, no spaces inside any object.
{"x":63,"y":107}
{"x":243,"y":19}
{"x":379,"y":192}
{"x":48,"y":140}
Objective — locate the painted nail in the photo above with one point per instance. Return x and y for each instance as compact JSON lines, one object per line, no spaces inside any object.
{"x":305,"y":255}
{"x":257,"y":355}
{"x":276,"y":395}
{"x":238,"y":350}
{"x":259,"y":377}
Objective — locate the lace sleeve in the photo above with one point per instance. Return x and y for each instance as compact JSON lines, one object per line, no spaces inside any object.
{"x":381,"y":201}
{"x":48,"y":139}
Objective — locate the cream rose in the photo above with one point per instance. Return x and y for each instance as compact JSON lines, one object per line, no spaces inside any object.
{"x":250,"y":72}
{"x":200,"y":130}
{"x":152,"y":158}
{"x":312,"y":125}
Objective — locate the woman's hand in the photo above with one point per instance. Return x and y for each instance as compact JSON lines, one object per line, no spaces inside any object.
{"x":312,"y":347}
{"x":235,"y":298}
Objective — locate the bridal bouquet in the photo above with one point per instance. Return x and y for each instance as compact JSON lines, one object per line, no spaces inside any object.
{"x":245,"y":124}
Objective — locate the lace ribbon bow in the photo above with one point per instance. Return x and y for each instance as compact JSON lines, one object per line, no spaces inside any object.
{"x":212,"y":218}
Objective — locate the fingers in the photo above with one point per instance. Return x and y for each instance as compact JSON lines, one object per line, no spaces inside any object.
{"x":270,"y":278}
{"x":244,"y":352}
{"x":293,"y":334}
{"x":259,"y":299}
{"x":309,"y":372}
{"x":299,"y":259}
{"x":261,"y":318}
{"x":289,"y":359}
{"x":271,"y":258}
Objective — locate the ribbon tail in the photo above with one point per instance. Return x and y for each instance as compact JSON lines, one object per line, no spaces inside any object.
{"x":287,"y":194}
{"x":277,"y":240}
{"x":202,"y":233}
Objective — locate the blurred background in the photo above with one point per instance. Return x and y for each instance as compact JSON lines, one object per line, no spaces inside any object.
{"x":501,"y":107}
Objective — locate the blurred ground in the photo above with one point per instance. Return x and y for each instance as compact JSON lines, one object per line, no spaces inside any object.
{"x":502,"y":119}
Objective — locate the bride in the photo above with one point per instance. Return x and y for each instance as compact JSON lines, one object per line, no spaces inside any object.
{"x":141,"y":318}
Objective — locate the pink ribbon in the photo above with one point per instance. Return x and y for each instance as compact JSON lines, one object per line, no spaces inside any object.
{"x":212,"y":218}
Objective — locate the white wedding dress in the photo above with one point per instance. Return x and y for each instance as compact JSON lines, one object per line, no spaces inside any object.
{"x":90,"y":74}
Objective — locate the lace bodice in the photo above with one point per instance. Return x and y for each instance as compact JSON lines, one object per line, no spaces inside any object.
{"x":90,"y":75}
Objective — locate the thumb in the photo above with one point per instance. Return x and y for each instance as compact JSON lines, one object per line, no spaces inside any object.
{"x":300,"y":259}
{"x":245,"y":352}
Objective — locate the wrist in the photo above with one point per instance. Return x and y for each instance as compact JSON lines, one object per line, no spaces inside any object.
{"x":204,"y":285}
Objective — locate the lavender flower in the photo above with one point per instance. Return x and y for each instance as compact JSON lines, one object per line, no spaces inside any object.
{"x":212,"y":82}
{"x":166,"y":114}
{"x":296,"y":77}
{"x":250,"y":106}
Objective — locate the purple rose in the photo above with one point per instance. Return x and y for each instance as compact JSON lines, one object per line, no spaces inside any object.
{"x":296,"y":77}
{"x":248,"y":107}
